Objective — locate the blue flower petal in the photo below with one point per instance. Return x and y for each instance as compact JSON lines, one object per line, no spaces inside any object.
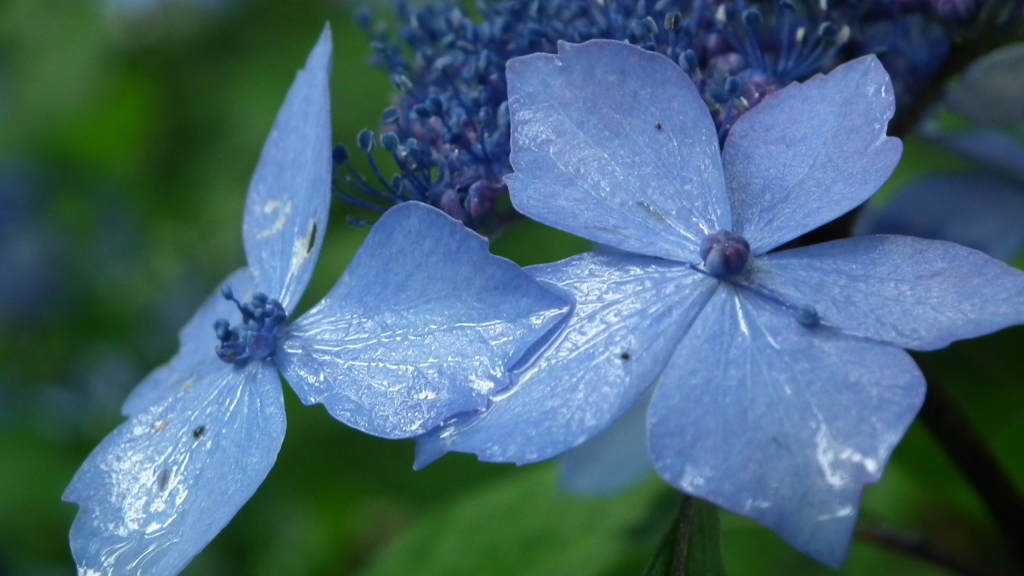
{"x":778,"y":422}
{"x":290,"y":193}
{"x":809,"y":153}
{"x":990,"y":90}
{"x":638,"y":169}
{"x":424,"y":324}
{"x":993,"y":149}
{"x":630,"y":312}
{"x":195,"y":341}
{"x":164,"y":483}
{"x":979,"y":211}
{"x":911,"y":292}
{"x":611,"y":461}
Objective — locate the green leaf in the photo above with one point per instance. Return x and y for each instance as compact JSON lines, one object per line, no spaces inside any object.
{"x":523,"y":526}
{"x":692,"y":546}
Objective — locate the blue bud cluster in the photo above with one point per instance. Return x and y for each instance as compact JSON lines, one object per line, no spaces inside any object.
{"x":448,"y":130}
{"x":256,"y":336}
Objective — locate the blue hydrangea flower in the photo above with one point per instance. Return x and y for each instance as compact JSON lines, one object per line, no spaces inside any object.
{"x":406,"y":338}
{"x":783,"y":383}
{"x":448,"y":130}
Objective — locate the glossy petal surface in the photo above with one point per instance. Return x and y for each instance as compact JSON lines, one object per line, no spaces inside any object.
{"x":613,"y":460}
{"x":638,"y":169}
{"x":778,"y":422}
{"x":979,"y":211}
{"x":289,"y":196}
{"x":164,"y":483}
{"x":409,"y":337}
{"x":911,"y":292}
{"x":196,"y":339}
{"x":629,"y":314}
{"x":810,"y":153}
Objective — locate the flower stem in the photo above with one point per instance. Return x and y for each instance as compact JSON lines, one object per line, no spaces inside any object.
{"x":950,"y":426}
{"x":918,"y":546}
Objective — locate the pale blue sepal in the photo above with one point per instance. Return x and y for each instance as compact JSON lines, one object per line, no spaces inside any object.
{"x":778,"y":422}
{"x":424,"y":324}
{"x":613,"y":460}
{"x":289,"y":195}
{"x":637,"y":169}
{"x":993,"y":149}
{"x":630,"y":312}
{"x":195,"y":340}
{"x":979,"y":211}
{"x":911,"y":292}
{"x":990,"y":89}
{"x":157,"y":490}
{"x":809,"y":153}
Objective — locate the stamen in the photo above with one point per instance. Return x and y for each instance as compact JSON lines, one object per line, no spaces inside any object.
{"x":256,"y":336}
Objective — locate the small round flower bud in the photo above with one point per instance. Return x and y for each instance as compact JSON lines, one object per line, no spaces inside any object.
{"x":724,"y":253}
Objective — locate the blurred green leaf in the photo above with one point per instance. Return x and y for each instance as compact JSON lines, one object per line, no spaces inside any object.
{"x":523,"y":526}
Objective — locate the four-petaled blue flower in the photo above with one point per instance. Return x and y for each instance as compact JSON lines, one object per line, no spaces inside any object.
{"x":424,"y":324}
{"x":782,"y":384}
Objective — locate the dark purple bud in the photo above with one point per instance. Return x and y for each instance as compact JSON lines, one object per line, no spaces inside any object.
{"x":365,"y":140}
{"x":434,"y":105}
{"x":451,"y":204}
{"x":752,"y":17}
{"x":673,"y":20}
{"x":480,"y":198}
{"x":421,"y":111}
{"x":732,"y":86}
{"x":340,"y":155}
{"x":688,"y":61}
{"x":650,"y":26}
{"x":389,"y":141}
{"x":724,"y":253}
{"x":222,"y":329}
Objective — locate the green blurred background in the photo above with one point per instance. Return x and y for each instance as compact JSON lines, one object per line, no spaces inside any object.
{"x":128,"y":133}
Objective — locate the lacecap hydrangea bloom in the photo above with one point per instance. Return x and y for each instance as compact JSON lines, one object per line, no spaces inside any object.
{"x":783,"y":385}
{"x":392,"y":350}
{"x":448,"y":129}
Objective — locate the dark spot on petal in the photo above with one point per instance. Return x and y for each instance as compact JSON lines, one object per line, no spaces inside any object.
{"x":164,"y":479}
{"x":625,"y":356}
{"x":312,"y":239}
{"x":657,"y":126}
{"x":198,"y":432}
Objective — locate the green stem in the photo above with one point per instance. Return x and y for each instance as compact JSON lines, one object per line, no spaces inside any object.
{"x":684,"y":522}
{"x":919,"y":547}
{"x":951,"y":427}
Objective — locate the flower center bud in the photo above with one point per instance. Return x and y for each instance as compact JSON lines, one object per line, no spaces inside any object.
{"x":256,"y":336}
{"x":724,"y":253}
